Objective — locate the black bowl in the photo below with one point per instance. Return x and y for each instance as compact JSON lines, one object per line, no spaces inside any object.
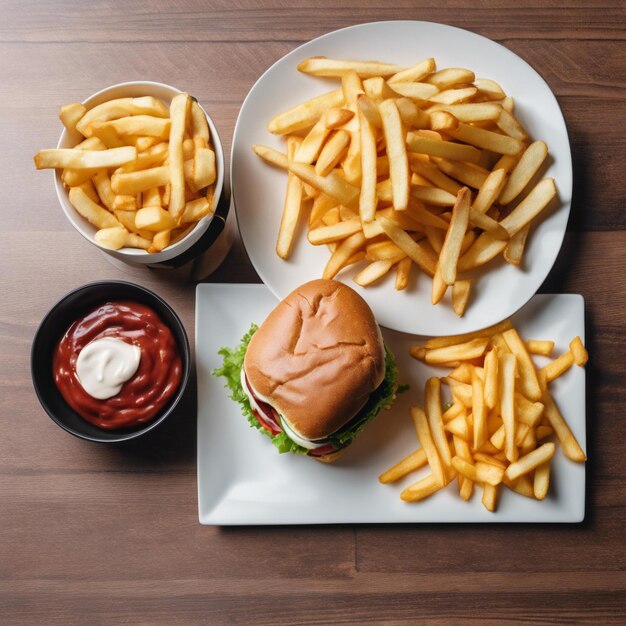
{"x":53,"y":327}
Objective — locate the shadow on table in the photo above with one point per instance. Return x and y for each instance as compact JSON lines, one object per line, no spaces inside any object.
{"x":172,"y":443}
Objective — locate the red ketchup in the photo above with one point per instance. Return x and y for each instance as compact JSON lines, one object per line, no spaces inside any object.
{"x":147,"y":391}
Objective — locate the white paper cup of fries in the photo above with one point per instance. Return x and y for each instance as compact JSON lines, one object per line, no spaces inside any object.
{"x":156,"y":242}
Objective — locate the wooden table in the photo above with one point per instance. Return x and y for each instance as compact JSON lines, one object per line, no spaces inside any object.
{"x":95,"y":534}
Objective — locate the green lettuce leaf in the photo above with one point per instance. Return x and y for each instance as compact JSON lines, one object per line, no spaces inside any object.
{"x":381,"y":398}
{"x":231,"y":371}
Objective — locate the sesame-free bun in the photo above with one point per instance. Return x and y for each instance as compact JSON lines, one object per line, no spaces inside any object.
{"x":317,"y":357}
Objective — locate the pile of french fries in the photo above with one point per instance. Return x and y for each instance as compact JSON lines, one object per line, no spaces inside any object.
{"x":144,"y":175}
{"x":493,"y":431}
{"x":405,"y":167}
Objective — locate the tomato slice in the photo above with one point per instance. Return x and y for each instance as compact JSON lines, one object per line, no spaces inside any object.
{"x":322,"y":450}
{"x":272,"y":428}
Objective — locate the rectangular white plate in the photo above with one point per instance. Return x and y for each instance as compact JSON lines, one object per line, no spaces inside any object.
{"x":242,"y":479}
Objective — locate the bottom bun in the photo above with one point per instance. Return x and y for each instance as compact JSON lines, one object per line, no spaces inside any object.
{"x":328,"y":458}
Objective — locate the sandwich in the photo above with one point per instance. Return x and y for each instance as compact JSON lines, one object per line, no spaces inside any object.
{"x":315,"y":373}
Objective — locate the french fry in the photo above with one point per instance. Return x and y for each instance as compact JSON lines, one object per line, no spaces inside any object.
{"x":332,"y":152}
{"x":442,"y":342}
{"x":420,"y":92}
{"x":486,"y":247}
{"x":342,"y":254}
{"x":439,"y":287}
{"x":274,"y":157}
{"x":424,"y":167}
{"x":292,"y":206}
{"x":195,"y":211}
{"x":528,"y":382}
{"x":474,"y":112}
{"x":489,"y":88}
{"x":76,"y":159}
{"x":489,"y":473}
{"x":490,"y":495}
{"x":421,"y":214}
{"x":91,"y":211}
{"x":528,"y":165}
{"x":464,"y":468}
{"x":127,"y":220}
{"x":566,"y":438}
{"x":425,"y":438}
{"x":558,"y":367}
{"x":124,"y":203}
{"x":421,"y":489}
{"x":117,"y":237}
{"x":131,"y":183}
{"x":335,"y":232}
{"x":154,"y":219}
{"x":506,"y":373}
{"x":70,"y":115}
{"x":486,"y":139}
{"x":408,"y":464}
{"x":542,"y":347}
{"x":458,"y":427}
{"x":508,"y":124}
{"x":527,"y":412}
{"x":445,"y":149}
{"x":443,"y":79}
{"x":479,"y":411}
{"x":107,"y":134}
{"x":304,"y":115}
{"x":336,"y":117}
{"x":90,"y":191}
{"x":155,"y":155}
{"x":542,"y":481}
{"x":373,"y":272}
{"x":412,"y":116}
{"x":396,"y":152}
{"x":383,"y":250}
{"x":578,"y":351}
{"x":204,"y":169}
{"x":369,"y":166}
{"x":454,"y":96}
{"x":312,"y":144}
{"x":121,"y":107}
{"x":541,"y":432}
{"x":432,"y":405}
{"x":433,"y":195}
{"x":514,"y":250}
{"x":160,"y":241}
{"x":322,"y":66}
{"x":443,"y":121}
{"x":531,"y":461}
{"x":102,"y":183}
{"x":370,"y":111}
{"x":488,"y":224}
{"x":415,"y":73}
{"x":469,"y":174}
{"x":179,"y":110}
{"x":451,"y":249}
{"x":403,"y":272}
{"x":142,"y":125}
{"x":419,"y":253}
{"x":489,"y":191}
{"x":471,"y":349}
{"x":331,"y":184}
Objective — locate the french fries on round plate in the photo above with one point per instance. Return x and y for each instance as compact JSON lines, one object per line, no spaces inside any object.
{"x":494,"y":430}
{"x":143,"y":175}
{"x":406,"y":167}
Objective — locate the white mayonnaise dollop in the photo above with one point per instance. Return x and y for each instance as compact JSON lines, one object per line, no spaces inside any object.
{"x":104,"y":365}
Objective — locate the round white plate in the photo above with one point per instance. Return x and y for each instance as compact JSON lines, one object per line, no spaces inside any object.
{"x":258,"y":189}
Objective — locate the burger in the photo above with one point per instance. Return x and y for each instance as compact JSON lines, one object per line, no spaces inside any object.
{"x":315,"y":373}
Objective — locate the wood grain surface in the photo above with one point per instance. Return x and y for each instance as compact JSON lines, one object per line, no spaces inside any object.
{"x":109,"y":534}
